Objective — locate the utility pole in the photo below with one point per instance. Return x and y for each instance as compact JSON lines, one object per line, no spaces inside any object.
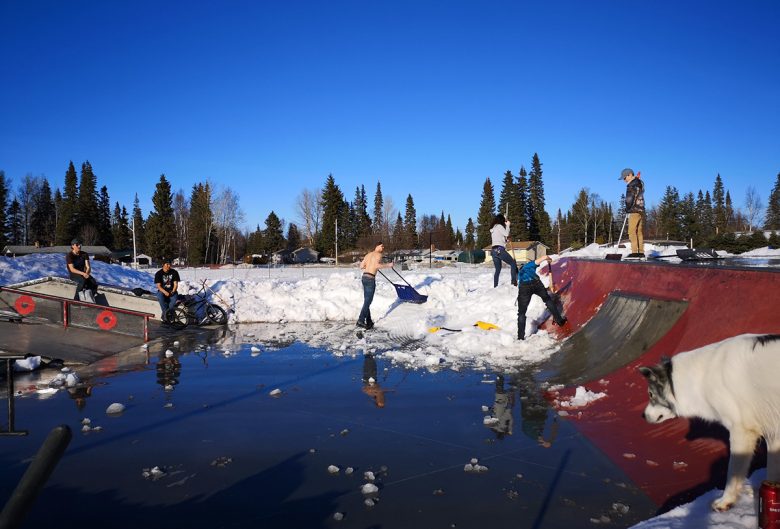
{"x":135,"y":259}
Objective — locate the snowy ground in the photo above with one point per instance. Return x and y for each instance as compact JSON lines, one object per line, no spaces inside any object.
{"x":458,"y":297}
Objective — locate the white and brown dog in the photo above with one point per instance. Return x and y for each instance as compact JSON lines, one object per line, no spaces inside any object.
{"x":735,"y":382}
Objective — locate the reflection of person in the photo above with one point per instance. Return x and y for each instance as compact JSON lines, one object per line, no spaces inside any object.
{"x":530,"y":284}
{"x":535,"y":412}
{"x":167,"y":281}
{"x":168,"y":373}
{"x":370,"y":385}
{"x":80,"y":394}
{"x":635,"y":209}
{"x":499,"y":234}
{"x":370,"y":264}
{"x":502,"y":409}
{"x":81,"y":272}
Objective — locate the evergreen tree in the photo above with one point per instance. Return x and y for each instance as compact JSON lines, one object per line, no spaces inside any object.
{"x":362,"y":220}
{"x":669,"y":214}
{"x":160,"y":227}
{"x":487,"y":211}
{"x":3,"y":206}
{"x":200,"y":231}
{"x":397,"y":239}
{"x":450,"y":233}
{"x":538,"y":219}
{"x":254,"y":242}
{"x":273,"y":237}
{"x":470,"y":231}
{"x":509,"y":204}
{"x":332,"y":205}
{"x":772,"y":220}
{"x":379,"y":204}
{"x":410,"y":224}
{"x":719,"y":205}
{"x":730,"y":216}
{"x":87,"y":211}
{"x":689,"y":224}
{"x":57,"y":210}
{"x":105,"y":233}
{"x":15,"y":223}
{"x":43,"y":222}
{"x":138,"y":227}
{"x":66,"y":219}
{"x":458,"y":238}
{"x":293,"y":237}
{"x":520,"y":231}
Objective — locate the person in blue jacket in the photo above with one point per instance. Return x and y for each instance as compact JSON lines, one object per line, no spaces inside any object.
{"x":530,"y":284}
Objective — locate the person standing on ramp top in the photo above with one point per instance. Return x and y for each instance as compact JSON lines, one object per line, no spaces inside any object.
{"x":370,"y":264}
{"x":635,"y":209}
{"x":499,"y":234}
{"x":530,"y":284}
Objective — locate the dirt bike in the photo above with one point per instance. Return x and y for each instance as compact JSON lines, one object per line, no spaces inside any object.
{"x":196,"y":309}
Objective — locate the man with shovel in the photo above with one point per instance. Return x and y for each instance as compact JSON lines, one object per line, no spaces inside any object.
{"x":370,"y":264}
{"x":530,"y":284}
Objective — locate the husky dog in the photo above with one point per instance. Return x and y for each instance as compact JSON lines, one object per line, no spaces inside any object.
{"x":735,"y":382}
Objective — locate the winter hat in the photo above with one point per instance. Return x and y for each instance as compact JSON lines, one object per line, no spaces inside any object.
{"x":626,"y":172}
{"x":75,"y":241}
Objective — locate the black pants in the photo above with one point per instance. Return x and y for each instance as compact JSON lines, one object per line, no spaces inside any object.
{"x":524,"y":293}
{"x":83,"y":283}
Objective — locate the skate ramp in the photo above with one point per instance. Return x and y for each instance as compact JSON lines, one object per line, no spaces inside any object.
{"x":623,"y":329}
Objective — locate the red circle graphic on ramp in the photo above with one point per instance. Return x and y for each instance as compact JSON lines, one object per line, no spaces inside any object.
{"x":24,"y":305}
{"x":106,"y":320}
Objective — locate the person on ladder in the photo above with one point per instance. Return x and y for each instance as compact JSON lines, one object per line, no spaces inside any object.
{"x":530,"y":284}
{"x":370,"y":264}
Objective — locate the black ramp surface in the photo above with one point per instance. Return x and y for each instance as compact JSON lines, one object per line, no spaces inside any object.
{"x":621,"y":331}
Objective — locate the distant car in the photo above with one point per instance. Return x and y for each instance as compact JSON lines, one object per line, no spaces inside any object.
{"x":330,"y":260}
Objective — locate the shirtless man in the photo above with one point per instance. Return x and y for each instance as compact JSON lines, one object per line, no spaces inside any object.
{"x":370,"y":264}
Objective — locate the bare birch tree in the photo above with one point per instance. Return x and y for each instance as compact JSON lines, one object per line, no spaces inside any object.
{"x":181,"y":214}
{"x":227,"y":216}
{"x":308,"y":205}
{"x":753,"y":206}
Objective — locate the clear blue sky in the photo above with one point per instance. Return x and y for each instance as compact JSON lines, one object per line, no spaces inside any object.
{"x":427,"y":97}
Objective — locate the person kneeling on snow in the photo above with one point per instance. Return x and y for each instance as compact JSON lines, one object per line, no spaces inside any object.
{"x":530,"y":284}
{"x":80,"y":272}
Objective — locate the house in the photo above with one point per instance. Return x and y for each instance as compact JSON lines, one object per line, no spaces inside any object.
{"x":450,"y":256}
{"x":522,"y":251}
{"x":305,"y":255}
{"x":282,"y":257}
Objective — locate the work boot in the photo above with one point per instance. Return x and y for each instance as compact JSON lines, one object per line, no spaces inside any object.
{"x":369,"y":324}
{"x":563,"y":320}
{"x":361,"y":325}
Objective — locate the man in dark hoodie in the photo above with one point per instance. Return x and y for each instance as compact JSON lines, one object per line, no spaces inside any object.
{"x":635,"y":209}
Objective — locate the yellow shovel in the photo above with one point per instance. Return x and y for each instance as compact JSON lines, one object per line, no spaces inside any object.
{"x":481,"y":324}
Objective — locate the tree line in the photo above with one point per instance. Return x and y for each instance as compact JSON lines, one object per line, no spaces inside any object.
{"x":204,"y":225}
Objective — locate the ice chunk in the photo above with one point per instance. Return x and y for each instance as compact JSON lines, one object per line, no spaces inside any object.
{"x":276,"y":392}
{"x":115,"y":408}
{"x":333,"y":469}
{"x":168,"y":353}
{"x":369,"y":488}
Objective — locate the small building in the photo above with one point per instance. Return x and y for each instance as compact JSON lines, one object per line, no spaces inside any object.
{"x":305,"y":255}
{"x":282,"y":257}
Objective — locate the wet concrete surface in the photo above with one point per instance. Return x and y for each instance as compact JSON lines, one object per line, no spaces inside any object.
{"x":234,"y":456}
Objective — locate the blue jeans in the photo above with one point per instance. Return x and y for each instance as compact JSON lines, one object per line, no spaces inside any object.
{"x":499,"y":254}
{"x":369,"y":286}
{"x":166,"y":302}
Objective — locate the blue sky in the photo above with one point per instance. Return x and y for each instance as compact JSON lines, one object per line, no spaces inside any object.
{"x":427,"y":97}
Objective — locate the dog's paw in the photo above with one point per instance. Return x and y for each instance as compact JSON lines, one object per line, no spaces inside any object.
{"x":723,"y":504}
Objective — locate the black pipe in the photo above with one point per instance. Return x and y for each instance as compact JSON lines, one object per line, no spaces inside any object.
{"x":35,"y":478}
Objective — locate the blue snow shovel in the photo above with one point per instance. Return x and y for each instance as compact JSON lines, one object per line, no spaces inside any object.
{"x":405,"y":292}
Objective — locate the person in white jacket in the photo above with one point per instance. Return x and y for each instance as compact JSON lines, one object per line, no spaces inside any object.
{"x":499,"y":233}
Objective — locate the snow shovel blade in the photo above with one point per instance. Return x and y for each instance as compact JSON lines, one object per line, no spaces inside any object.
{"x":486,"y":326}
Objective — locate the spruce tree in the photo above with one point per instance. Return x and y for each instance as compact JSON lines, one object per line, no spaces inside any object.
{"x":87,"y":211}
{"x":3,"y":206}
{"x":689,"y":225}
{"x":450,"y":233}
{"x":362,"y":219}
{"x":410,"y":224}
{"x":487,"y":211}
{"x":520,"y":231}
{"x":138,"y":227}
{"x":469,"y":241}
{"x":669,"y":214}
{"x":397,"y":239}
{"x":772,"y":220}
{"x":379,"y":205}
{"x":332,"y":205}
{"x":15,"y":233}
{"x":273,"y":237}
{"x":719,"y":205}
{"x":42,"y":225}
{"x":66,"y":218}
{"x":105,"y":234}
{"x":729,"y":210}
{"x":160,"y":227}
{"x":293,"y":237}
{"x":201,"y":225}
{"x":539,"y":221}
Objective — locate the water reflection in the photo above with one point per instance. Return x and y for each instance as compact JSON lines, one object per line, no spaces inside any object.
{"x":371,"y":385}
{"x":168,"y":373}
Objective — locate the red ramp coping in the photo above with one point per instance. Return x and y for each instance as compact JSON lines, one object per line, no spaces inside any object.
{"x":678,"y":460}
{"x":74,"y":313}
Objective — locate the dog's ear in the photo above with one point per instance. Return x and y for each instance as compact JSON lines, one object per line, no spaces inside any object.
{"x":648,"y":373}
